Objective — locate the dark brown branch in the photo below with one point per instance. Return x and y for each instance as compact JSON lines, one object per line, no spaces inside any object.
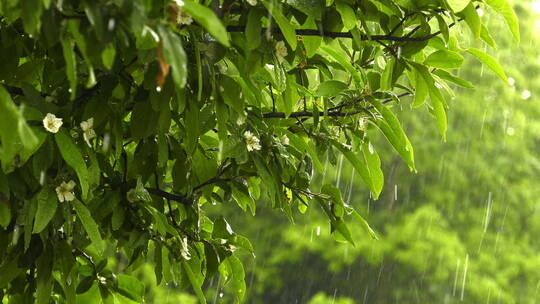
{"x":313,"y":32}
{"x":170,"y":196}
{"x":330,"y":114}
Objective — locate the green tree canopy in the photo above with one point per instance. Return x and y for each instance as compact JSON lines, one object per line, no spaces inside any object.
{"x":132,"y":117}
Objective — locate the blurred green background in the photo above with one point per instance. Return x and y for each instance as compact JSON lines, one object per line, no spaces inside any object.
{"x":464,"y":229}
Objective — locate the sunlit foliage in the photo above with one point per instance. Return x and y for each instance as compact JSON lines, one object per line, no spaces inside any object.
{"x":123,"y":121}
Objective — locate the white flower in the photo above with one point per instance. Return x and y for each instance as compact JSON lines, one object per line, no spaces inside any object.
{"x":184,"y":251}
{"x":281,"y":49}
{"x":65,"y":191}
{"x":285,"y":140}
{"x":526,"y":94}
{"x":51,"y":123}
{"x":253,"y":142}
{"x":252,"y":2}
{"x":183,"y":18}
{"x":88,"y":130}
{"x":240,"y":120}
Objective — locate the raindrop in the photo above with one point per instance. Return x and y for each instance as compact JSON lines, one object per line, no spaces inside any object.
{"x":371,"y":149}
{"x":106,"y":142}
{"x":15,"y":238}
{"x":480,"y":12}
{"x":158,"y":89}
{"x":483,"y":123}
{"x":455,"y":277}
{"x":395,"y":192}
{"x":318,"y":230}
{"x":487,"y":215}
{"x":526,"y":94}
{"x":511,"y":81}
{"x":69,"y":90}
{"x":42,"y":177}
{"x":340,"y":165}
{"x":465,"y":267}
{"x":221,"y":294}
{"x":365,"y":295}
{"x":349,"y":190}
{"x":111,"y":24}
{"x":510,"y":131}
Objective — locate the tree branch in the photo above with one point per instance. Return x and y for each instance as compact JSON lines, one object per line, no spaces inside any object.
{"x":171,"y":196}
{"x":330,"y":114}
{"x":313,"y":32}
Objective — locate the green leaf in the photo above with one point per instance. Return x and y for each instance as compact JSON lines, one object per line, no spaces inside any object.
{"x":5,"y":214}
{"x":131,"y":287}
{"x":471,"y":17}
{"x":331,"y":88}
{"x":194,"y":280}
{"x":311,"y":8}
{"x":174,"y":55}
{"x":287,"y":29}
{"x":222,"y":229}
{"x":386,"y":77}
{"x":46,"y":208}
{"x":253,"y":28}
{"x":244,"y":243}
{"x":443,"y":27}
{"x":9,"y":270}
{"x":454,"y":79}
{"x":242,"y":197}
{"x":360,"y":167}
{"x":436,"y":98}
{"x":490,"y":62}
{"x":344,"y":62}
{"x":71,"y":66}
{"x":348,"y":17}
{"x":504,"y":8}
{"x":393,"y":131}
{"x":341,"y":232}
{"x":31,"y":15}
{"x":238,"y":277}
{"x":73,"y":157}
{"x":373,"y":163}
{"x":486,"y":37}
{"x":421,"y":90}
{"x":365,"y":224}
{"x":21,"y":141}
{"x":107,"y":56}
{"x":444,"y":59}
{"x":438,"y":110}
{"x":73,"y":25}
{"x":301,"y":145}
{"x":458,"y":5}
{"x":311,"y":43}
{"x":44,"y":265}
{"x":206,"y":17}
{"x":90,"y":226}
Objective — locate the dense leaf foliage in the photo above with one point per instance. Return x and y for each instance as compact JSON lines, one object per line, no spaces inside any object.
{"x":132,"y":117}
